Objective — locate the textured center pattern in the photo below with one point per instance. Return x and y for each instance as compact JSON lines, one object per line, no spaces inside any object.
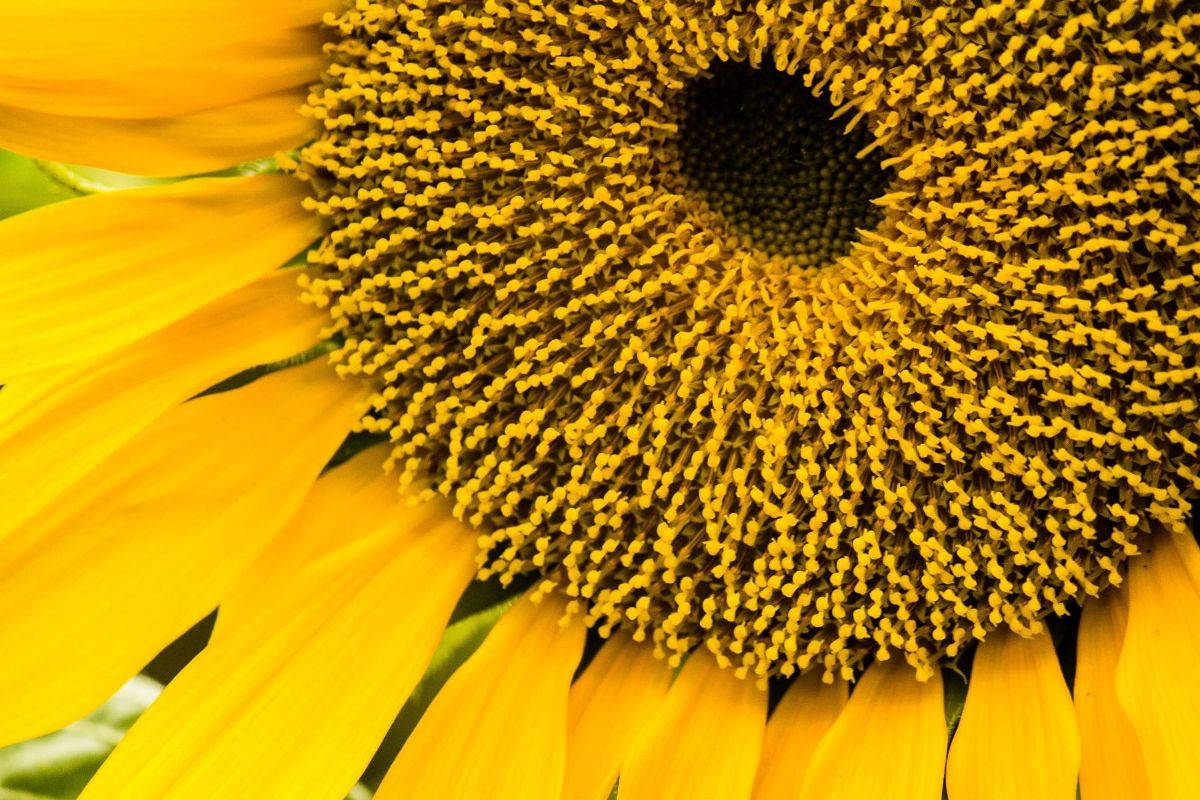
{"x":968,"y":418}
{"x":770,"y":160}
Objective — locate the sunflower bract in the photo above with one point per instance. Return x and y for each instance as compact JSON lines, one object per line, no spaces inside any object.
{"x":965,"y":418}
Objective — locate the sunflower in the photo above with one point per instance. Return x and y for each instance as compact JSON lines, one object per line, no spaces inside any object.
{"x":791,"y":358}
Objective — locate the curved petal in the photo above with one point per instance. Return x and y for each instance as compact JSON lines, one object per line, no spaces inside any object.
{"x":19,"y":395}
{"x":498,"y":727}
{"x":889,"y":741}
{"x":1017,"y":736}
{"x":314,"y":653}
{"x":75,"y":424}
{"x":1112,"y":766}
{"x":129,"y":59}
{"x":704,"y":741}
{"x":150,"y":541}
{"x":1156,"y":674}
{"x":609,"y":705}
{"x":86,"y":276}
{"x":803,"y":716}
{"x":203,"y":141}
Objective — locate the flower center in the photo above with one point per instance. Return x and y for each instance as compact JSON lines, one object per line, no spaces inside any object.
{"x":764,"y":154}
{"x":592,"y":295}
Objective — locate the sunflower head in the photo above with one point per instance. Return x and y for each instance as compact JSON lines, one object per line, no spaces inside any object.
{"x":728,"y":373}
{"x":794,"y":344}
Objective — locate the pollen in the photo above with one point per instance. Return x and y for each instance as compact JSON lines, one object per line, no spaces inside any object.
{"x":808,"y":334}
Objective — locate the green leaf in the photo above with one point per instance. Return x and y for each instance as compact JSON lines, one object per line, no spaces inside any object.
{"x":89,"y":180}
{"x":27,"y":183}
{"x":58,"y":765}
{"x":24,"y":185}
{"x":93,"y":179}
{"x":955,"y":688}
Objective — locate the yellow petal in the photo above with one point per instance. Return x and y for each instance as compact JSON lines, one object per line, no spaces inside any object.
{"x":498,"y":726}
{"x":703,"y":742}
{"x":1156,"y":673}
{"x":1017,"y":737}
{"x":202,"y":141}
{"x":329,"y":632}
{"x":889,"y":741}
{"x":150,"y":540}
{"x":18,"y":395}
{"x":83,"y":277}
{"x":139,"y":60}
{"x":803,"y":716}
{"x":1112,"y":767}
{"x":80,"y":420}
{"x":609,"y":705}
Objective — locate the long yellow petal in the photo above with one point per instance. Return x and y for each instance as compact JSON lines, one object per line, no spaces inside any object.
{"x":498,"y":727}
{"x":803,"y":716}
{"x":328,"y":633}
{"x":50,"y":444}
{"x":703,"y":742}
{"x":1156,"y":674}
{"x":609,"y":705}
{"x":151,"y":540}
{"x":18,"y":395}
{"x":1017,"y":737}
{"x":83,"y":277}
{"x":889,"y":741}
{"x":139,"y":60}
{"x":202,"y":141}
{"x":1112,"y":767}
